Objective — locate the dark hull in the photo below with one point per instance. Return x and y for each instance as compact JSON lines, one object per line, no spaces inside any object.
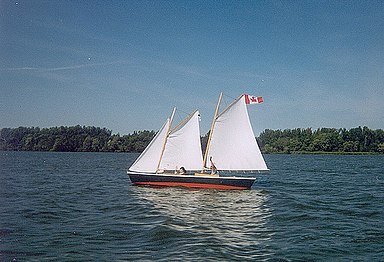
{"x":191,"y":181}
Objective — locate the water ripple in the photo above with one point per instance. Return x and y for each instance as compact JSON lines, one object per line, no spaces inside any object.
{"x":76,"y":207}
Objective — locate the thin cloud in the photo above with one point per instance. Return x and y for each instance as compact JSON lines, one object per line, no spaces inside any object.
{"x":63,"y":68}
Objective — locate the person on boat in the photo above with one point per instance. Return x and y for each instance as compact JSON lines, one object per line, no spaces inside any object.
{"x":213,"y":167}
{"x":181,"y":171}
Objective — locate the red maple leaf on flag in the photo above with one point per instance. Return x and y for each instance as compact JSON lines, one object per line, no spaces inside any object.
{"x":253,"y":99}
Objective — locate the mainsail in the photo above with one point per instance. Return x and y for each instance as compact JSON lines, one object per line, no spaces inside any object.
{"x":173,"y":149}
{"x":233,"y":145}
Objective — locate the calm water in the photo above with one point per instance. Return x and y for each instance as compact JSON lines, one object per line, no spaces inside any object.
{"x":82,"y":206}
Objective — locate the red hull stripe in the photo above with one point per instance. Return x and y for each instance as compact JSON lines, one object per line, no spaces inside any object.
{"x":192,"y":185}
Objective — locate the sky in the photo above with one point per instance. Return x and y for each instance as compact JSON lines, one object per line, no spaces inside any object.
{"x":124,"y":65}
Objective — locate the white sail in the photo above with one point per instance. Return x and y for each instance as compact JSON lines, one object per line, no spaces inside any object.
{"x":233,"y":145}
{"x":149,"y":159}
{"x":183,"y":147}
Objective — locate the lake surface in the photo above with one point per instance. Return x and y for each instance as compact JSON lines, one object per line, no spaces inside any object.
{"x":82,"y":207}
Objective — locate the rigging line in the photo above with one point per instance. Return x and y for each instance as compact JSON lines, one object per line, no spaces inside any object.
{"x":231,"y":97}
{"x":227,"y":100}
{"x":182,"y":111}
{"x":183,"y":122}
{"x":228,"y":107}
{"x":181,"y":118}
{"x":178,"y":120}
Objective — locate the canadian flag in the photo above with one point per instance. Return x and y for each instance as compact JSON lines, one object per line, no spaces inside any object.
{"x":253,"y":99}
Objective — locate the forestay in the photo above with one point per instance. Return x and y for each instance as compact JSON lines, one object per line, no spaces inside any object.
{"x":233,"y":144}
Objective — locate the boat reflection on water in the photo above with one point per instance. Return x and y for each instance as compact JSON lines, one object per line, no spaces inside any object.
{"x":232,"y":224}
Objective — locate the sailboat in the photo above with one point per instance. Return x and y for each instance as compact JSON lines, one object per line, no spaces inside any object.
{"x":231,"y":147}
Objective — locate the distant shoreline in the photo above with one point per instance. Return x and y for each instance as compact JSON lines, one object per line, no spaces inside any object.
{"x":277,"y":153}
{"x":325,"y":153}
{"x":355,"y":141}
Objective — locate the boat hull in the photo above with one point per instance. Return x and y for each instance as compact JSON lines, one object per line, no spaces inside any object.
{"x":191,"y":181}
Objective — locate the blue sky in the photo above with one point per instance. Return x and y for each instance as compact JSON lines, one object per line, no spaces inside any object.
{"x":124,"y":64}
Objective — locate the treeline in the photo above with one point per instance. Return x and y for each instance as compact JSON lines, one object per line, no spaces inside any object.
{"x":96,"y":139}
{"x":72,"y":139}
{"x":299,"y":140}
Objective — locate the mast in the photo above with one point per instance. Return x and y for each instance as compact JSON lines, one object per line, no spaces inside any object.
{"x":211,"y":131}
{"x":165,"y":140}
